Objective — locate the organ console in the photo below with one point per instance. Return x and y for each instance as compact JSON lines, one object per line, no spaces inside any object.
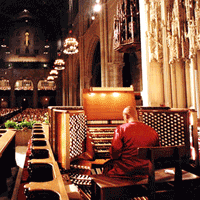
{"x":81,"y":136}
{"x":103,"y":108}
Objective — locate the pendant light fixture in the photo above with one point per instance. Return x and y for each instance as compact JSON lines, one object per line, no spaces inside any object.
{"x":50,"y":78}
{"x":70,"y":44}
{"x":54,"y":73}
{"x":59,"y":63}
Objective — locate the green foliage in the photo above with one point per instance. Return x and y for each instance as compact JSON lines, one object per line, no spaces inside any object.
{"x":46,"y":121}
{"x":10,"y":124}
{"x":46,"y":118}
{"x":21,"y":125}
{"x":26,"y":124}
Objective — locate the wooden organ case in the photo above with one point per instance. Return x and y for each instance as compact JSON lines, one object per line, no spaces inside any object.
{"x":67,"y":133}
{"x":175,"y":127}
{"x":52,"y":127}
{"x":103,"y":108}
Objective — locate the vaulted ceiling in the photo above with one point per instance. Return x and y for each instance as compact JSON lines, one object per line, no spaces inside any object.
{"x":49,"y":12}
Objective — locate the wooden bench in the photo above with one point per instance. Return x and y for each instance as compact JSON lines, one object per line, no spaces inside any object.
{"x":170,"y":178}
{"x":7,"y":156}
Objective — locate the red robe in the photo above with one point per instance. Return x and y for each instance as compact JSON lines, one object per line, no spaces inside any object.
{"x":127,"y":138}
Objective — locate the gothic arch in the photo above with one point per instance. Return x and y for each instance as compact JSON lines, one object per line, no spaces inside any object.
{"x":132,"y":71}
{"x":96,"y":67}
{"x":77,"y":81}
{"x":89,"y":60}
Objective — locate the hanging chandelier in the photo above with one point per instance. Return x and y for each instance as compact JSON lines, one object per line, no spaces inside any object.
{"x":59,"y":64}
{"x":70,"y":46}
{"x":50,"y":78}
{"x":54,"y":73}
{"x":97,"y":6}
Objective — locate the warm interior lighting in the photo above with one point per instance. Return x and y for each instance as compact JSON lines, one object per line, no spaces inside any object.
{"x":112,"y":89}
{"x":91,"y":94}
{"x":3,"y":45}
{"x":115,"y":94}
{"x":46,"y":52}
{"x":193,"y":155}
{"x":24,"y":84}
{"x":50,"y":78}
{"x":54,"y":73}
{"x":59,"y":64}
{"x":103,"y":95}
{"x":70,"y":46}
{"x":97,"y":6}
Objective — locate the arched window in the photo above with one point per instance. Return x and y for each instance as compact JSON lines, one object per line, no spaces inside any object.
{"x":46,"y":93}
{"x":4,"y":84}
{"x":96,"y":67}
{"x":24,"y":85}
{"x":46,"y":85}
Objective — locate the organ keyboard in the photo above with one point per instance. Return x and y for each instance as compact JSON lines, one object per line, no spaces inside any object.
{"x":101,"y":139}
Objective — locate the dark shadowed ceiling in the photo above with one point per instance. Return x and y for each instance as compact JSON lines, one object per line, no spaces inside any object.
{"x":49,"y":12}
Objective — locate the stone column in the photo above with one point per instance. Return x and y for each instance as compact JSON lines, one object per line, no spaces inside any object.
{"x":173,"y":82}
{"x":70,"y":84}
{"x":198,"y":82}
{"x":59,"y":90}
{"x":35,"y":93}
{"x":64,"y":76}
{"x":180,"y":84}
{"x":188,"y":83}
{"x":104,"y":44}
{"x":166,"y":66}
{"x":12,"y":94}
{"x":144,"y":24}
{"x":193,"y":84}
{"x":117,"y":74}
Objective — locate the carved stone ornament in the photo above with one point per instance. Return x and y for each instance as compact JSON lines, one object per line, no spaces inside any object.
{"x":155,"y":32}
{"x":183,"y":28}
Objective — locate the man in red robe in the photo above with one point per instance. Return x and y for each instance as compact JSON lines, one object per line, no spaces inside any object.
{"x":127,"y":138}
